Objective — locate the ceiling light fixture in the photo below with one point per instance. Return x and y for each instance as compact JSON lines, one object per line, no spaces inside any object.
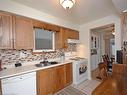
{"x":67,"y":4}
{"x":125,"y":11}
{"x":113,"y":32}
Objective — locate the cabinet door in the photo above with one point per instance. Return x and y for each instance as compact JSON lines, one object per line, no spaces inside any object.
{"x":59,"y":77}
{"x":23,"y":33}
{"x":72,"y":34}
{"x":6,"y":40}
{"x":61,"y":39}
{"x":63,"y":35}
{"x":45,"y":82}
{"x":76,"y":34}
{"x":68,"y":69}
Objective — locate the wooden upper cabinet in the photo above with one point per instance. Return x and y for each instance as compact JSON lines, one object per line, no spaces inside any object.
{"x":63,"y":35}
{"x":23,"y":35}
{"x":61,"y":39}
{"x":16,"y":32}
{"x":38,"y":24}
{"x":72,"y":34}
{"x":6,"y":38}
{"x":51,"y":27}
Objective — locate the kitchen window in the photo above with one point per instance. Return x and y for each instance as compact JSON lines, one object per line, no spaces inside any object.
{"x":44,"y":40}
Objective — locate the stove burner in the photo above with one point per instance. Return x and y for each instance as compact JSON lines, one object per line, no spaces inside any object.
{"x":76,"y":58}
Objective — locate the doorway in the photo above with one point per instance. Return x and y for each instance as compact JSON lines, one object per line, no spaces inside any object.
{"x":102,"y":42}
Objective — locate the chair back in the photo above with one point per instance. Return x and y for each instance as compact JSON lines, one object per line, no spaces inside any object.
{"x":103,"y":70}
{"x":105,"y":58}
{"x":119,"y":70}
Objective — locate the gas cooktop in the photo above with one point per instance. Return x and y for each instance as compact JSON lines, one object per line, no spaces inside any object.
{"x":76,"y":58}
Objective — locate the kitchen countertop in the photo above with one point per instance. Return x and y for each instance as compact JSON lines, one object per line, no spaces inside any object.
{"x":27,"y":69}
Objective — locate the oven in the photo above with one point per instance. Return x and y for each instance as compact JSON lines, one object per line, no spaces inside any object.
{"x":79,"y":71}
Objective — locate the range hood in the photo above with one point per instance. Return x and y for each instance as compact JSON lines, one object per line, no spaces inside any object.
{"x":73,"y":41}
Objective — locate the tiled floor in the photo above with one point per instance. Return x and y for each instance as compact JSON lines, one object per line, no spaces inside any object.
{"x":88,"y":86}
{"x":70,"y":91}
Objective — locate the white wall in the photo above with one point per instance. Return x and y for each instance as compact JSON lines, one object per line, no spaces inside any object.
{"x":94,"y":57}
{"x":85,"y":35}
{"x":13,"y":7}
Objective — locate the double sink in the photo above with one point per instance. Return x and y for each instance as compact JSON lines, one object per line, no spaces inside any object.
{"x":46,"y":63}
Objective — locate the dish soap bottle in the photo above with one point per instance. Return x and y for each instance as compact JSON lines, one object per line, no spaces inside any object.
{"x":62,"y":56}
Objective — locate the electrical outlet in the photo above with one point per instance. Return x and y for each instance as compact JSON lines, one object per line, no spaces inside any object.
{"x":23,"y":55}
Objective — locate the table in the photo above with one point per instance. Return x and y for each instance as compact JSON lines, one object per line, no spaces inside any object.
{"x":112,"y":86}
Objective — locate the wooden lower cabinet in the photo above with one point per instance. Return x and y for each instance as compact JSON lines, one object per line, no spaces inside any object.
{"x":59,"y":78}
{"x":69,"y":77}
{"x":53,"y":79}
{"x":45,"y":82}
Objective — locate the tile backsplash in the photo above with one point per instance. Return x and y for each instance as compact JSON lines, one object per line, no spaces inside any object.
{"x":10,"y":57}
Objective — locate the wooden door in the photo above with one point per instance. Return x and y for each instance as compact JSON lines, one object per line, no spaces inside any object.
{"x":6,"y":41}
{"x":68,"y":69}
{"x":45,"y":82}
{"x":24,"y":37}
{"x":59,"y":77}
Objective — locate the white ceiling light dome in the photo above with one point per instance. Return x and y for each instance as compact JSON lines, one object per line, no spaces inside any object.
{"x":67,"y":4}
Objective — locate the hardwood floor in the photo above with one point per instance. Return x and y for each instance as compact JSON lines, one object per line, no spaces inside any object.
{"x":95,"y":74}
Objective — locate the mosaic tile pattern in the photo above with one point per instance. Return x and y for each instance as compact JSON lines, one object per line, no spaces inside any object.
{"x":10,"y":57}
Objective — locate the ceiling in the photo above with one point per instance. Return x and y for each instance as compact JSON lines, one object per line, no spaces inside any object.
{"x":82,"y":12}
{"x":121,"y":5}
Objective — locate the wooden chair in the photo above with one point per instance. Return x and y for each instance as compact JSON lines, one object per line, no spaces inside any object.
{"x":119,"y":70}
{"x":107,"y":60}
{"x":103,"y":70}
